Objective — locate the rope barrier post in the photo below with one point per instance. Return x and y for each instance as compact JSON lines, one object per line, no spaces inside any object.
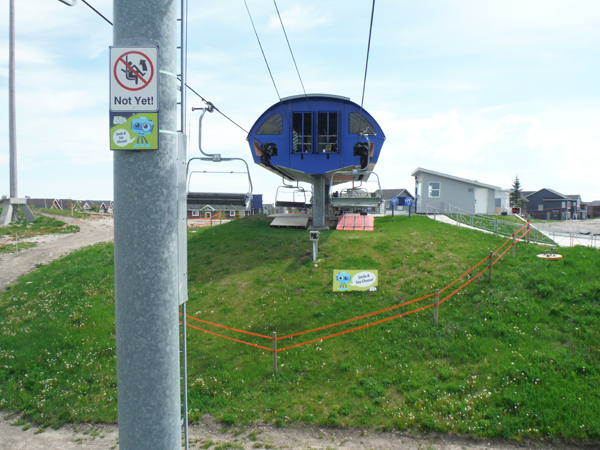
{"x":436,"y":303}
{"x":274,"y":353}
{"x":490,"y":266}
{"x":528,"y":230}
{"x":514,"y":244}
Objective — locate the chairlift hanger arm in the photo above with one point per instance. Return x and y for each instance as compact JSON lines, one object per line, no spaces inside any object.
{"x":210,"y":108}
{"x":216,"y":157}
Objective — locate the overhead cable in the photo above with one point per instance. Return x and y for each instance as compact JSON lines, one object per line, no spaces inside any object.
{"x":210,"y":105}
{"x":266,"y":62}
{"x":292,"y":53}
{"x":96,"y":11}
{"x":186,"y":85}
{"x":366,"y":68}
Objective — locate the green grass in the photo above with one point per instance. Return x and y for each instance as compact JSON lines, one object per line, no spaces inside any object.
{"x":41,"y":225}
{"x":64,"y":212}
{"x":517,"y":358}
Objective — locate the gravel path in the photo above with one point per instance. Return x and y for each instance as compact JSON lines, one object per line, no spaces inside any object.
{"x":53,"y":246}
{"x":104,"y":437}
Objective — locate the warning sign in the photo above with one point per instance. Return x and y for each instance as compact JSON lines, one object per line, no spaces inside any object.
{"x":134,"y":79}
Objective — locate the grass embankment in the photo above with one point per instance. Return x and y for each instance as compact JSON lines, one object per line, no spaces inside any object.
{"x":63,"y":212}
{"x":517,"y":358}
{"x":22,"y":227}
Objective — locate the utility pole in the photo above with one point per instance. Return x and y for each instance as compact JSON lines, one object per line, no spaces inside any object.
{"x":146,"y":274}
{"x":10,"y":211}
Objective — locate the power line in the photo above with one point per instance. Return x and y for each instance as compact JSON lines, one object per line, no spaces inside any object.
{"x":96,"y":11}
{"x":266,"y":62}
{"x":186,"y":85}
{"x":292,"y":53}
{"x":366,"y":68}
{"x":209,"y":104}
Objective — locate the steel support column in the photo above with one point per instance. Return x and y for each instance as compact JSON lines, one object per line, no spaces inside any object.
{"x":146,"y":275}
{"x":319,"y":205}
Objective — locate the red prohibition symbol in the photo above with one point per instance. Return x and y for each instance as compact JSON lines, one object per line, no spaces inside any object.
{"x":133,"y":73}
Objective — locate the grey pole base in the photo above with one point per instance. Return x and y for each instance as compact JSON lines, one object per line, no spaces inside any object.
{"x":11,"y":208}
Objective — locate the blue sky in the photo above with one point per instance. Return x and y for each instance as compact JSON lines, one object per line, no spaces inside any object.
{"x":483,"y":90}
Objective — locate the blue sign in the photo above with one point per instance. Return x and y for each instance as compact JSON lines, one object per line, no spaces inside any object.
{"x":408,"y":201}
{"x":395,"y":201}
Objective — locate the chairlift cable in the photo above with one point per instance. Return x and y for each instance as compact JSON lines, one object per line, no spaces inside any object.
{"x":96,"y":11}
{"x":267,"y":63}
{"x":366,"y":68}
{"x":220,"y":112}
{"x":188,"y":86}
{"x":292,"y":53}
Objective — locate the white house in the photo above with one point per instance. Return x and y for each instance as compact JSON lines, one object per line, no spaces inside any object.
{"x":442,"y":192}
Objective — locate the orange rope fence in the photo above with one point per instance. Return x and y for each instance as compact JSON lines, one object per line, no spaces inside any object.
{"x":227,"y":337}
{"x":514,"y":238}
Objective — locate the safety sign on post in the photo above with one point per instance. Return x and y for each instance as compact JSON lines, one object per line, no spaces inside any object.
{"x":134,"y":79}
{"x":134,"y":98}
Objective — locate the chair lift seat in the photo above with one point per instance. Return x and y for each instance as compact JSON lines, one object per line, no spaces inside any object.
{"x":285,"y":204}
{"x":217,"y":198}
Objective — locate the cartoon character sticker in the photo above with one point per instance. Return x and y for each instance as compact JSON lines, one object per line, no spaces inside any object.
{"x":141,"y":127}
{"x":134,"y":131}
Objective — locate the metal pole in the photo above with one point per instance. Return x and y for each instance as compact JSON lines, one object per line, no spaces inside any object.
{"x":528,"y":232}
{"x":514,"y":244}
{"x":184,"y":374}
{"x":146,"y":278}
{"x":318,"y":203}
{"x":274,"y":352}
{"x":12,"y":120}
{"x":490,"y":266}
{"x":436,"y":304}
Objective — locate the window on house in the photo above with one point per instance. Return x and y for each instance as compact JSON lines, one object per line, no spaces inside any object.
{"x":327,"y":132}
{"x":434,"y":189}
{"x":301,"y":133}
{"x":563,"y":204}
{"x":358,"y":124}
{"x":195,"y":213}
{"x":272,"y":125}
{"x":231,"y":213}
{"x":540,"y":207}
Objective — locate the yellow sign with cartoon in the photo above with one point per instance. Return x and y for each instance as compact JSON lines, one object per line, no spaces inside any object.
{"x":133,"y":131}
{"x":355,"y":280}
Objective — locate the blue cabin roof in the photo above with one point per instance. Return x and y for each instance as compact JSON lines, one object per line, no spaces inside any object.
{"x":315,"y":135}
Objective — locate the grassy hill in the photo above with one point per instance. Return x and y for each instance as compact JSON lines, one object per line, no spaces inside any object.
{"x":515,"y":358}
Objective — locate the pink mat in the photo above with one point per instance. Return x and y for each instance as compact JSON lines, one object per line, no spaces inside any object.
{"x":356,"y":222}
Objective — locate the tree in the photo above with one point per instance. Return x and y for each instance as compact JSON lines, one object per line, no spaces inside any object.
{"x":516,"y":198}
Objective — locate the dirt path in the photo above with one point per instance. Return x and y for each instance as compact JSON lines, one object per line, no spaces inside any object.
{"x":209,"y":434}
{"x":105,"y":436}
{"x":53,"y":246}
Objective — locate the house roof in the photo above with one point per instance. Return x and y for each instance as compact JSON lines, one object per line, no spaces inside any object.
{"x":573,"y":197}
{"x":549,"y":190}
{"x":387,"y":194}
{"x":594,"y":203}
{"x":452,"y":177}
